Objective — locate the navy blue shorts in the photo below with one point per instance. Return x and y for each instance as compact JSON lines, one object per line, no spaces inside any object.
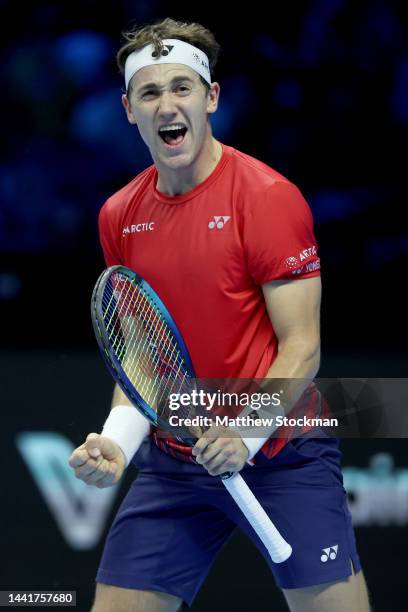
{"x":176,"y":517}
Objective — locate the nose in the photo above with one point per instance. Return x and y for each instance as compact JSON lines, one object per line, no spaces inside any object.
{"x":166,"y":103}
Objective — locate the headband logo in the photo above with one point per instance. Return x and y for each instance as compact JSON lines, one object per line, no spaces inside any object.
{"x":200,"y":61}
{"x":166,"y":50}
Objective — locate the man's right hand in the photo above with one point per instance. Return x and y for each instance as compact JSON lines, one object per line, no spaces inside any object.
{"x":99,"y":461}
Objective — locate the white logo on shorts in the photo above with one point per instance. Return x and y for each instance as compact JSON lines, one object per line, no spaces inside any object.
{"x":218,"y":222}
{"x":329,"y":553}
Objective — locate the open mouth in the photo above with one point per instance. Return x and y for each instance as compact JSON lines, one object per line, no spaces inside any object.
{"x":172,"y":135}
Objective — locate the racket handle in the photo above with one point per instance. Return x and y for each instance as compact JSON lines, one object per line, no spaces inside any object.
{"x":277,"y":547}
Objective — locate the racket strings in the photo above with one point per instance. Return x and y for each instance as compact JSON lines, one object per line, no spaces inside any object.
{"x":152,"y":327}
{"x":142,"y":342}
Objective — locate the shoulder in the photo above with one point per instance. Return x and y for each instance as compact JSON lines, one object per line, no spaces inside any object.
{"x":259,"y":186}
{"x":117,"y":204}
{"x":257,"y":177}
{"x":250,"y":167}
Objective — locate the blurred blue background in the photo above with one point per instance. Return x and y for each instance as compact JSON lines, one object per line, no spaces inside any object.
{"x":317,"y":89}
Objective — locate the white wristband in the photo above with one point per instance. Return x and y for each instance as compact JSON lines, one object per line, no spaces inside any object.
{"x":127,"y":427}
{"x":254,"y":445}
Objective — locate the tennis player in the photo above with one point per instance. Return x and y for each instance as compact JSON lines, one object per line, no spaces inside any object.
{"x":228,"y":244}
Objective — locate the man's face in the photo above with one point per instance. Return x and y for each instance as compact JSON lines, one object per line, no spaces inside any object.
{"x":169,"y":104}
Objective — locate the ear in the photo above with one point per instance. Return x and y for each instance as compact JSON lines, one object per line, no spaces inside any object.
{"x":212,"y":98}
{"x":129,"y":112}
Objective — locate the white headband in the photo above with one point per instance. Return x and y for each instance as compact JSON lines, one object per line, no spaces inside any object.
{"x":174,"y":52}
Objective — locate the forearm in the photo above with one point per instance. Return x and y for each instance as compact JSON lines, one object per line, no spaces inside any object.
{"x":296,"y":359}
{"x":292,"y":371}
{"x":119,"y":398}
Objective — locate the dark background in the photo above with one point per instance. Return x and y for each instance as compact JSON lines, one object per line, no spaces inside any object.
{"x":317,"y":89}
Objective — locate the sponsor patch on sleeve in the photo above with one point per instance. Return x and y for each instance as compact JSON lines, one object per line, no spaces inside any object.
{"x":299,"y":264}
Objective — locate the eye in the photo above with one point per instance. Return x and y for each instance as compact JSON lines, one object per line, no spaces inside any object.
{"x":148,"y":94}
{"x":183,"y":89}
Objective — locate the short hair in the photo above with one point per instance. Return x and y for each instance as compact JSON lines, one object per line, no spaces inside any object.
{"x":155,"y":33}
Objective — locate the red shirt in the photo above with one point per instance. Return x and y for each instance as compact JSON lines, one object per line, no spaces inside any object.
{"x":207,"y":253}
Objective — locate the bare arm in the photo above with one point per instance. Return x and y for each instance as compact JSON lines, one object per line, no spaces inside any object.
{"x":119,"y":398}
{"x":294,"y":309}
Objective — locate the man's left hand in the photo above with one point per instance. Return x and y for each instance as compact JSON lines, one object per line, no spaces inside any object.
{"x":220,"y":450}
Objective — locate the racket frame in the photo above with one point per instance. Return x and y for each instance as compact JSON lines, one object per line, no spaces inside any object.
{"x":104,"y":344}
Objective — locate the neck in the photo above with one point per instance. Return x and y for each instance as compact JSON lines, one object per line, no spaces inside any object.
{"x":182,"y":180}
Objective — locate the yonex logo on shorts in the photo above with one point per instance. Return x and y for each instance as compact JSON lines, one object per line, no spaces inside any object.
{"x":218,"y":222}
{"x":329,"y":553}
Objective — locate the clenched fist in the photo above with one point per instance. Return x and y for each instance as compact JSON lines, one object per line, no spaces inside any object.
{"x":99,"y":461}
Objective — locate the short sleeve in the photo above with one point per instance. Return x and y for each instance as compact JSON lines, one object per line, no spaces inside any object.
{"x":108,"y":240}
{"x":278,"y":235}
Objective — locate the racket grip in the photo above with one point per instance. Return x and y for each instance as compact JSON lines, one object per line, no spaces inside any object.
{"x":278,"y":548}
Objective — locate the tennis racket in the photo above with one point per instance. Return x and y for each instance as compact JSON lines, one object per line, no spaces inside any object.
{"x":147,"y":357}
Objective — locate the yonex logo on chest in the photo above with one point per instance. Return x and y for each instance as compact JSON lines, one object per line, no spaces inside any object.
{"x":218,"y":222}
